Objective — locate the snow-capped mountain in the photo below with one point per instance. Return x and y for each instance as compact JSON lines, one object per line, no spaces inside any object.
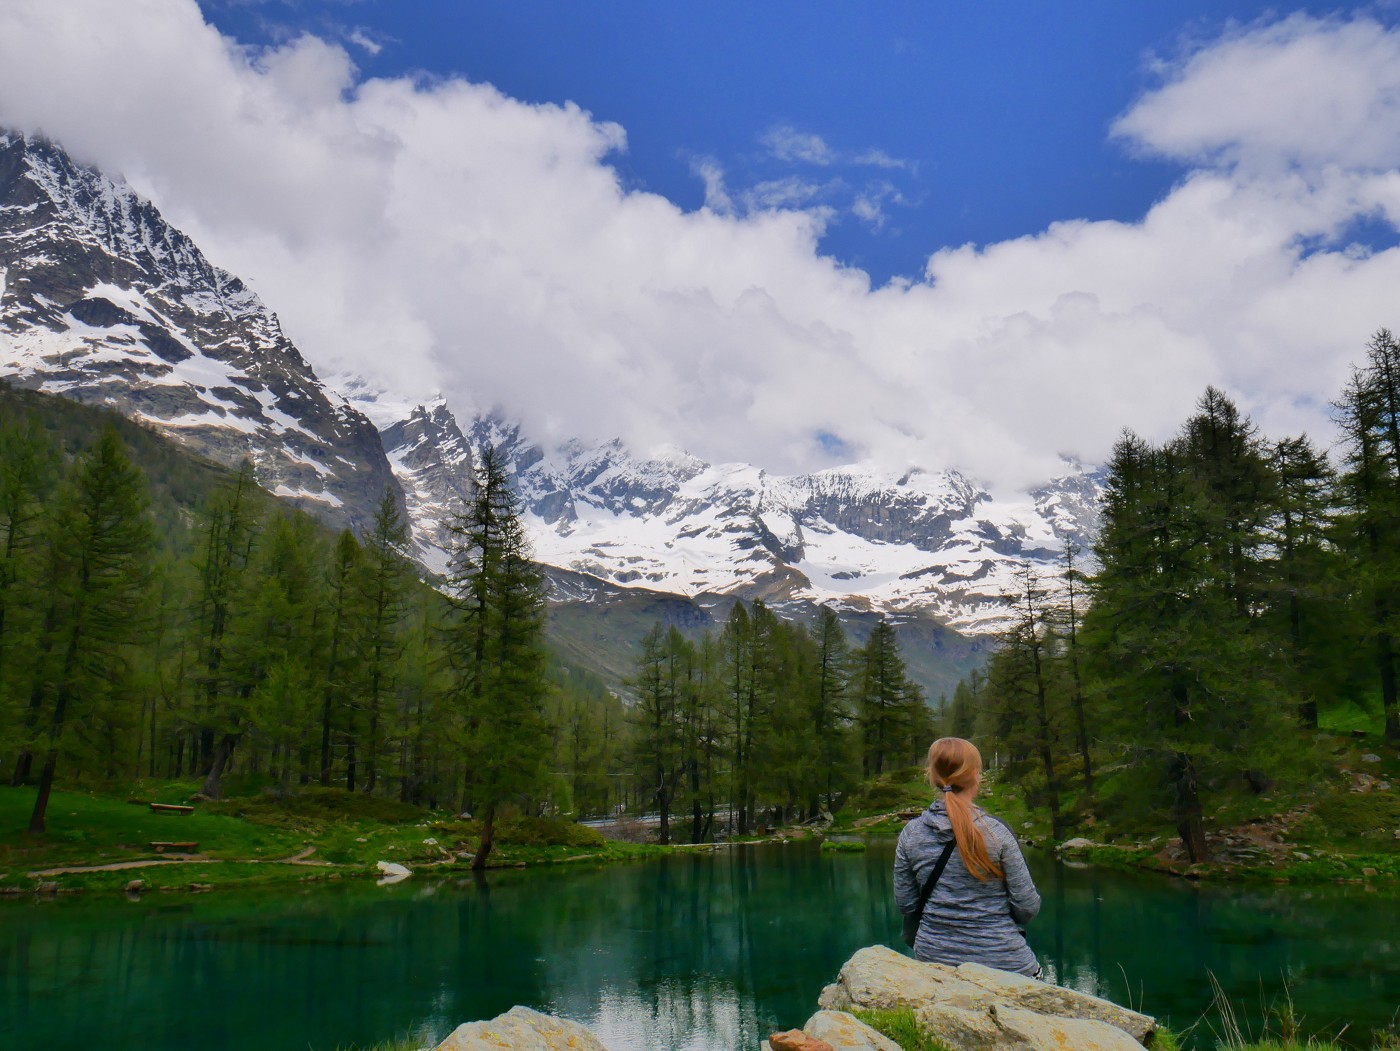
{"x":103,"y":301}
{"x":928,"y":542}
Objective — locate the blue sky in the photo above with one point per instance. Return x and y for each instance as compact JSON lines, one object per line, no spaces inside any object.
{"x":939,"y":235}
{"x":998,"y":113}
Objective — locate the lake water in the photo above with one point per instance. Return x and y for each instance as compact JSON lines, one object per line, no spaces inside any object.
{"x":709,"y":951}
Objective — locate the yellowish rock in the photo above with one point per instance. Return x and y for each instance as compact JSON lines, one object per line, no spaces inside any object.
{"x":521,"y":1029}
{"x":845,"y":1032}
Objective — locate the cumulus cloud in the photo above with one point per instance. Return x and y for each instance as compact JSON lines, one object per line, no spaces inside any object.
{"x":1302,"y":92}
{"x":435,"y":233}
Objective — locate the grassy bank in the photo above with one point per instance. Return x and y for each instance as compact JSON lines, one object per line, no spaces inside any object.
{"x":1339,"y":822}
{"x":312,"y":836}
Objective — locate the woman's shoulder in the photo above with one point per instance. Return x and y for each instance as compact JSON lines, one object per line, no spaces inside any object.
{"x":995,"y":825}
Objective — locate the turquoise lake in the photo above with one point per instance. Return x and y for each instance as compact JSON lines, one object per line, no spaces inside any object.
{"x":706,"y":951}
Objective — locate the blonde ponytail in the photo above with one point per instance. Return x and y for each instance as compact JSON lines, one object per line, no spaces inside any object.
{"x":954,"y":766}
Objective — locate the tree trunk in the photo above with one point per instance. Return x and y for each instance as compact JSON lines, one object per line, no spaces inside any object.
{"x":41,"y":803}
{"x":1190,"y":821}
{"x":213,"y":784}
{"x":326,"y":740}
{"x":488,"y":831}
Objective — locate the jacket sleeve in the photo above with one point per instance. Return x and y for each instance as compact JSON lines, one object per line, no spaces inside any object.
{"x":1020,"y":888}
{"x":906,"y":886}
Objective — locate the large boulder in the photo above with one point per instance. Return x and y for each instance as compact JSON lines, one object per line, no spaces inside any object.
{"x":846,"y":1032}
{"x":521,"y":1029}
{"x":976,"y":1008}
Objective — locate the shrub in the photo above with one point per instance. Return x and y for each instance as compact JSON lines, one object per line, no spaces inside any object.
{"x":1357,"y":815}
{"x":547,"y":832}
{"x":316,"y":803}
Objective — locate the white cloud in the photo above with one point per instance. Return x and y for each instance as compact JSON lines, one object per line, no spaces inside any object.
{"x":1301,"y":92}
{"x":361,"y":37}
{"x":786,"y":143}
{"x":438,"y":234}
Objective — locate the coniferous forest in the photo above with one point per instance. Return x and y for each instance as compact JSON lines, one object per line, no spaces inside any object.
{"x":161,"y":617}
{"x":1243,"y":592}
{"x":164,"y":618}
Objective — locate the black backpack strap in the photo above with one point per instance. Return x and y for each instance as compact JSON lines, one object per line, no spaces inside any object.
{"x":932,"y":880}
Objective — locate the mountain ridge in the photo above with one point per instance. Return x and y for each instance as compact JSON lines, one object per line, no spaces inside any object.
{"x":102,"y":301}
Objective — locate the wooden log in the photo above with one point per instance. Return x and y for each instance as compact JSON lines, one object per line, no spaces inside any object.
{"x":184,"y":848}
{"x":171,"y":808}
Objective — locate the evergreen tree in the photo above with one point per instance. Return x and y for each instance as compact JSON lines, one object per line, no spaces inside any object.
{"x":894,"y":720}
{"x":386,"y":577}
{"x":1178,"y":640}
{"x":496,"y":644}
{"x":1069,"y":615}
{"x":1369,"y":419}
{"x":231,"y":523}
{"x":98,"y":563}
{"x":1021,"y":682}
{"x":829,"y":711}
{"x":1307,"y":597}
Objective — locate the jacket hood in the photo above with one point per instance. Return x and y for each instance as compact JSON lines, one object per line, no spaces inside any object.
{"x":936,"y":818}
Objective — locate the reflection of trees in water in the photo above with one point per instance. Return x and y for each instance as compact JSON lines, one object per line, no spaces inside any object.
{"x":712,"y":948}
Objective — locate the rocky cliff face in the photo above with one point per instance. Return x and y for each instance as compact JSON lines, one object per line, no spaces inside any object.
{"x":103,"y":301}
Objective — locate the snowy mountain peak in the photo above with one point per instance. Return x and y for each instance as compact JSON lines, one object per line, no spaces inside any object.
{"x":863,"y":537}
{"x":105,"y":302}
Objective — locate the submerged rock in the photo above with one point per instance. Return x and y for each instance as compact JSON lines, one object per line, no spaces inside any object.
{"x":976,"y":1008}
{"x":522,"y":1029}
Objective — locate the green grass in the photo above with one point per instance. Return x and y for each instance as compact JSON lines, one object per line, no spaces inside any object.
{"x":843,"y":846}
{"x":242,"y":837}
{"x":903,"y":1028}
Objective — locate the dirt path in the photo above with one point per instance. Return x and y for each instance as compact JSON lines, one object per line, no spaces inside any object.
{"x":300,"y":858}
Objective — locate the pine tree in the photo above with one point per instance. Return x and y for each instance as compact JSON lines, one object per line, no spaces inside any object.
{"x":385,"y":579}
{"x":24,"y":467}
{"x":496,"y":645}
{"x":230,"y":527}
{"x":893,"y":716}
{"x":98,"y":554}
{"x":1069,"y":614}
{"x":1179,"y":642}
{"x":1306,"y":595}
{"x":830,"y":712}
{"x":1021,"y":681}
{"x":1369,"y":418}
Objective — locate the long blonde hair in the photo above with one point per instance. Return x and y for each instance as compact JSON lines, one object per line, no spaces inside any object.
{"x":954,"y":766}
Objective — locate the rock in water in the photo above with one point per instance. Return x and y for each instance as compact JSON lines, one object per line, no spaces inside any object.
{"x":393,"y":873}
{"x":524,"y":1030}
{"x":797,"y":1040}
{"x":976,"y":1008}
{"x":846,"y":1032}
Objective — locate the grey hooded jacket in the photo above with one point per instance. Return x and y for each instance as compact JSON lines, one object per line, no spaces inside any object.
{"x":967,"y":920}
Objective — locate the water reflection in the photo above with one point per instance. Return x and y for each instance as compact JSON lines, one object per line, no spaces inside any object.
{"x":693,"y":952}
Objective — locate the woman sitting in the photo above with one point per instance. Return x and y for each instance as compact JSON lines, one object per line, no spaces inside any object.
{"x":985,"y":890}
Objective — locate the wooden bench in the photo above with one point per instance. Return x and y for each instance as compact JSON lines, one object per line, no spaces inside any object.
{"x":171,"y":808}
{"x":183,"y":848}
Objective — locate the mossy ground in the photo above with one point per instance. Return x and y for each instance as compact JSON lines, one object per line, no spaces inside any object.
{"x":246,"y":840}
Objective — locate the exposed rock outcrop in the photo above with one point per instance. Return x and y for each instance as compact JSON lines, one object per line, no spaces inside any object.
{"x":522,"y":1028}
{"x":976,"y":1008}
{"x":847,"y":1033}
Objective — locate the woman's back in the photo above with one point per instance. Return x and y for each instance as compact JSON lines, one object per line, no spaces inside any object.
{"x":967,"y":920}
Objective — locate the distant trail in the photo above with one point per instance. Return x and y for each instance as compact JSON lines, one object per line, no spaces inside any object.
{"x":299,"y":858}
